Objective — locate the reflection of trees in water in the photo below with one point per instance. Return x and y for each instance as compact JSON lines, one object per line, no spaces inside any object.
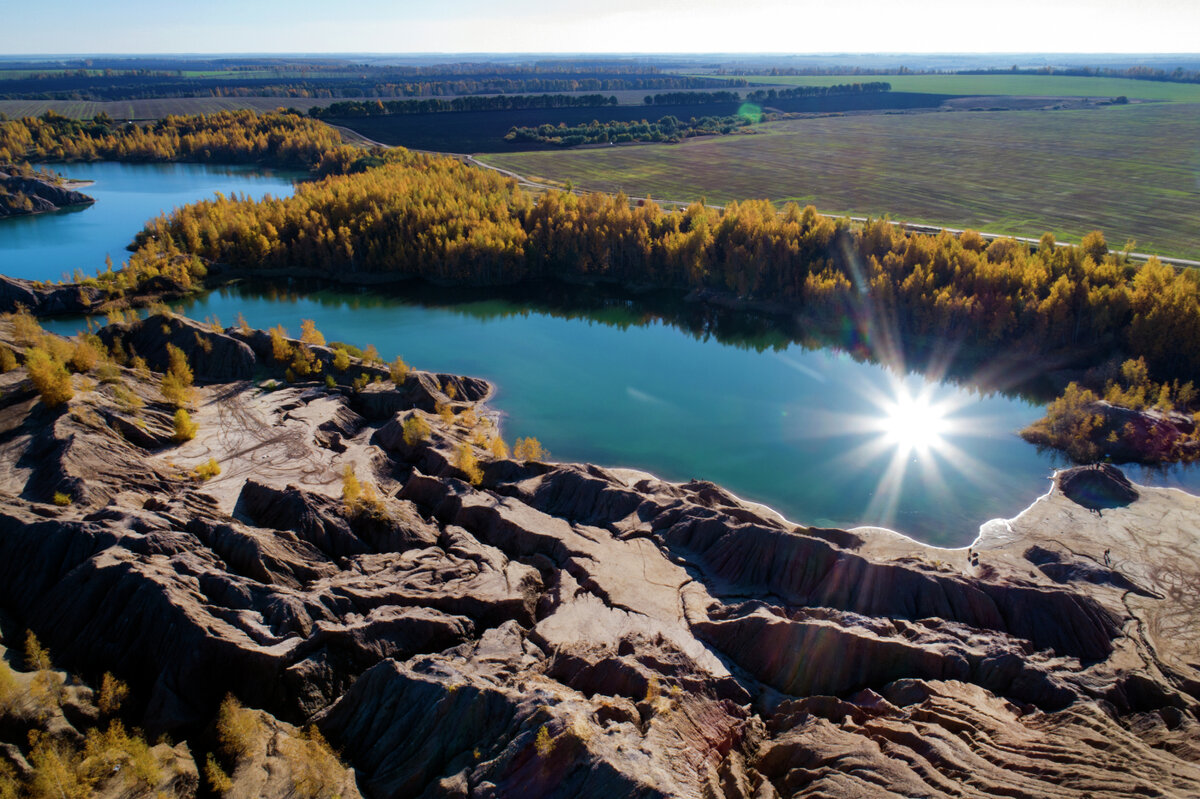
{"x":984,"y":371}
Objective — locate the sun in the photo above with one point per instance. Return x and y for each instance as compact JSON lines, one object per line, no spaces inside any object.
{"x":914,"y":424}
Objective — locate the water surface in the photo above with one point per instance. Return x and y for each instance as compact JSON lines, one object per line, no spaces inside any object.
{"x":53,"y":246}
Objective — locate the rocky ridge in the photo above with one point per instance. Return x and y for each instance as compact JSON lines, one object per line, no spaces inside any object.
{"x":552,"y":629}
{"x":23,"y":194}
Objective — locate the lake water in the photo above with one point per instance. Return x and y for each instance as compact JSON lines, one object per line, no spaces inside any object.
{"x":641,"y":381}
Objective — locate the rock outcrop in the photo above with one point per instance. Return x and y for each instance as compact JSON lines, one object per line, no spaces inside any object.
{"x":550,"y":629}
{"x":24,"y":194}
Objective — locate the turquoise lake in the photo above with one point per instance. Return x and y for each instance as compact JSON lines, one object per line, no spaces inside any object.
{"x":641,"y":381}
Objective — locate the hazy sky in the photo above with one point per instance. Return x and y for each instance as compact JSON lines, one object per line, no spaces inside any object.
{"x":800,"y":26}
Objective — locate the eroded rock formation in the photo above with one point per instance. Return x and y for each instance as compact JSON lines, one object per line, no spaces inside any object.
{"x":567,"y":630}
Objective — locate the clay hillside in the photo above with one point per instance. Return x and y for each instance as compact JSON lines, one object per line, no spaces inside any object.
{"x":346,"y":584}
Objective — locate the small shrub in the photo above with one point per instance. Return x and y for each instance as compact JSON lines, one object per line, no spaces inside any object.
{"x":316,"y":770}
{"x":178,"y":378}
{"x":351,"y":488}
{"x":281,"y":349}
{"x":112,"y":695}
{"x":129,"y":402}
{"x":496,"y":447}
{"x":8,"y":361}
{"x":544,"y":743}
{"x":238,"y":729}
{"x":330,"y":383}
{"x":349,"y":348}
{"x":309,"y":333}
{"x":9,"y":691}
{"x":84,"y":356}
{"x":529,"y":449}
{"x":218,"y":780}
{"x":26,"y":330}
{"x":207,"y":471}
{"x":185,"y":428}
{"x":108,"y":372}
{"x":341,"y":359}
{"x":415,"y":429}
{"x":50,"y":378}
{"x":60,"y":499}
{"x":398,"y":370}
{"x":371,"y":355}
{"x":468,"y":464}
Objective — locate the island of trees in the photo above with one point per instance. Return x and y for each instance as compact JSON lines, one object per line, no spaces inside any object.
{"x":667,"y":129}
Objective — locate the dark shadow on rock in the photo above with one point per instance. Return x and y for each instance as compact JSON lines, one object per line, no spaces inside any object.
{"x":1097,"y":487}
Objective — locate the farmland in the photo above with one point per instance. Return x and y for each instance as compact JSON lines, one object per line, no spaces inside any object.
{"x":483,"y":131}
{"x":1132,"y":171}
{"x":1022,"y":85}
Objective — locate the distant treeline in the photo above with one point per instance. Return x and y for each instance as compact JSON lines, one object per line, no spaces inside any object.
{"x":667,"y":129}
{"x":692,"y":98}
{"x":344,"y":81}
{"x":1177,"y":75}
{"x":503,"y":102}
{"x":761,"y":95}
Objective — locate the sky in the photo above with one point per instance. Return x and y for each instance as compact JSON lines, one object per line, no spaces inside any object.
{"x":608,"y":26}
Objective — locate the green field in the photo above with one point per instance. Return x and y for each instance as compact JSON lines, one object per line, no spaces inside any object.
{"x":1026,"y":85}
{"x":1131,"y":171}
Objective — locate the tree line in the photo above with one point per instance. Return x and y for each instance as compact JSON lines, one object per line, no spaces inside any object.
{"x":666,"y":129}
{"x":237,"y":137}
{"x":502,"y":102}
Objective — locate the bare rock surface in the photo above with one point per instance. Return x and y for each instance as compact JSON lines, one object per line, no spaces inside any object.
{"x":567,"y":630}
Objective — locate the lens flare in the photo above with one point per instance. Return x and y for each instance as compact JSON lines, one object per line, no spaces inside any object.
{"x":914,"y":423}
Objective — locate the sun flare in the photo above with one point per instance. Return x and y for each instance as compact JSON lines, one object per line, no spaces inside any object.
{"x":914,"y":423}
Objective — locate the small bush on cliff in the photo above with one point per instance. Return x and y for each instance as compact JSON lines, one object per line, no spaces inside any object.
{"x":49,"y":376}
{"x":185,"y":428}
{"x":8,"y":361}
{"x":84,"y":355}
{"x":341,"y":359}
{"x":178,"y":378}
{"x":60,"y":499}
{"x":218,"y":780}
{"x":466,"y":462}
{"x":360,"y":498}
{"x":309,"y":333}
{"x":281,"y":349}
{"x":416,"y":429}
{"x":398,"y":370}
{"x":115,"y":750}
{"x":238,"y":729}
{"x":529,"y":449}
{"x":112,"y":694}
{"x":26,"y":330}
{"x":207,"y":471}
{"x":316,"y":770}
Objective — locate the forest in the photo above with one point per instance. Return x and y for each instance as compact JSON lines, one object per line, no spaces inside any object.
{"x":501,"y":102}
{"x":228,"y":137}
{"x":189,"y":79}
